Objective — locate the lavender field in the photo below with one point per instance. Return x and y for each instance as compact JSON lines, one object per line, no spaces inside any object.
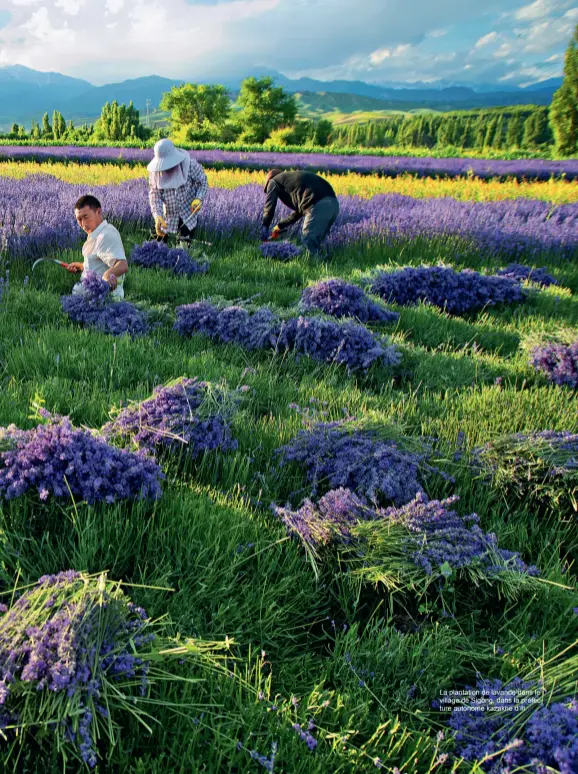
{"x":528,"y":169}
{"x":275,"y":514}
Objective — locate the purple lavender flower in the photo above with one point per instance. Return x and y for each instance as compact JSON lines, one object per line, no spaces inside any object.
{"x":155,"y":254}
{"x":455,"y":292}
{"x":523,"y":273}
{"x":95,"y":308}
{"x":280,"y":251}
{"x":549,"y":738}
{"x":59,"y":460}
{"x":348,"y":343}
{"x":341,"y":299}
{"x":89,"y":635}
{"x":190,"y":412}
{"x":335,"y":455}
{"x":439,"y":535}
{"x":558,"y":362}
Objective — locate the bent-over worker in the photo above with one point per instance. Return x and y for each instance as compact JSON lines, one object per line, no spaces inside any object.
{"x":309,"y":196}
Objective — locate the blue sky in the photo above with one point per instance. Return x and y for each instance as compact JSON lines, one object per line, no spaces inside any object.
{"x":500,"y":41}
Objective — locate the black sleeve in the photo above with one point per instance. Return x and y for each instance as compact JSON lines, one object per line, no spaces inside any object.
{"x":270,"y":203}
{"x":289,"y":220}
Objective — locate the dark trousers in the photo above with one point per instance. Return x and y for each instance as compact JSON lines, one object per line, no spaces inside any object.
{"x":318,"y":222}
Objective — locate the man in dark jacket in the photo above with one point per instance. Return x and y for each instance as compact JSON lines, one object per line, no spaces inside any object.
{"x":309,"y":196}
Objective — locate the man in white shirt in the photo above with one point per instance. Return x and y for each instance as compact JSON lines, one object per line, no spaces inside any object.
{"x":103,"y":251}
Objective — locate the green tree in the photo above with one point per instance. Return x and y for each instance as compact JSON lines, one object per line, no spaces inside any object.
{"x":14,"y":130}
{"x":58,"y":125}
{"x":515,"y":132}
{"x":564,"y":109}
{"x":197,"y":106}
{"x":323,"y":132}
{"x":119,"y":122}
{"x":46,"y":128}
{"x":264,"y":108}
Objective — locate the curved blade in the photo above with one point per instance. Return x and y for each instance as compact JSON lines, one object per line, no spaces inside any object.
{"x":35,"y":264}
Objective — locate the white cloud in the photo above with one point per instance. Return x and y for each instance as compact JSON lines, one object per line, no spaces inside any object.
{"x":113,"y":6}
{"x":379,"y":56}
{"x":536,"y":10}
{"x":504,"y":50}
{"x":26,"y":2}
{"x":491,"y":37}
{"x":437,"y":34}
{"x":554,"y":58}
{"x":39,"y":26}
{"x":71,"y":7}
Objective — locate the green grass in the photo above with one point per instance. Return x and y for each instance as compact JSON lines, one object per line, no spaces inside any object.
{"x":233,"y":570}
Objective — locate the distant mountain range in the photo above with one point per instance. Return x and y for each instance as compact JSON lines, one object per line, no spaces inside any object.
{"x":26,"y":94}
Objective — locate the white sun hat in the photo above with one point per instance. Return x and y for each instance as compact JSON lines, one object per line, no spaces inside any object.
{"x":166,"y":156}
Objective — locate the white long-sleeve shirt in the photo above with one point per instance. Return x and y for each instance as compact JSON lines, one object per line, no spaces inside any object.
{"x":174,"y":203}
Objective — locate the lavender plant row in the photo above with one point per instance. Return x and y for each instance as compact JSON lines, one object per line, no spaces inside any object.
{"x":532,"y":169}
{"x":348,"y":343}
{"x":36,"y":216}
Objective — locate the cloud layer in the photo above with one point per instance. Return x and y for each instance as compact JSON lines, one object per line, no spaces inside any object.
{"x":372,"y":40}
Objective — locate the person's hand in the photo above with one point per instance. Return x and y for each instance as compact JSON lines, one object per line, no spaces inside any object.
{"x":160,"y":226}
{"x":196,"y":205}
{"x":111,"y":278}
{"x":275,"y":234}
{"x":75,"y":267}
{"x":264,"y":233}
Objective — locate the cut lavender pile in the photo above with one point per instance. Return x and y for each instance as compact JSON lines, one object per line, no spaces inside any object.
{"x":454,"y":292}
{"x":559,"y":362}
{"x":522,"y":273}
{"x":59,"y":460}
{"x":280,"y":251}
{"x":440,"y":536}
{"x":327,"y":522}
{"x":542,"y":465}
{"x":334,"y":455}
{"x":95,"y":308}
{"x":348,"y":343}
{"x":342,"y":299}
{"x":189,"y":412}
{"x":548,"y":741}
{"x":154,"y":254}
{"x":70,"y":655}
{"x":428,"y":535}
{"x":77,"y":657}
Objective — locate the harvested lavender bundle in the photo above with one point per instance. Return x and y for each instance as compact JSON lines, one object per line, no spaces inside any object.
{"x":349,"y":344}
{"x":95,"y":308}
{"x":281,"y":251}
{"x":559,"y":362}
{"x":412,"y":546}
{"x":489,"y":729}
{"x":155,"y":254}
{"x":77,"y":655}
{"x":187,"y":413}
{"x":342,"y":299}
{"x":522,"y":273}
{"x":335,"y":455}
{"x":454,"y":292}
{"x":59,"y":460}
{"x":542,"y":465}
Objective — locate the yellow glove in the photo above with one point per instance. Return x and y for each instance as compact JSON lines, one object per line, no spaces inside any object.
{"x":196,"y":205}
{"x":160,"y":226}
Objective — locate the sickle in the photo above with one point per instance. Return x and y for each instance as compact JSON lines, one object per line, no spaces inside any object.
{"x":60,"y":263}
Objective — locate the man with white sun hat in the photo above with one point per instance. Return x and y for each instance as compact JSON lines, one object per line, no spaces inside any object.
{"x":177,"y":188}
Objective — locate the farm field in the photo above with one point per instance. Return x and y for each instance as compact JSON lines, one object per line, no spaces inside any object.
{"x":335,"y":630}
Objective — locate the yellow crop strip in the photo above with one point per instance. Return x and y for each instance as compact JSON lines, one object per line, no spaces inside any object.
{"x":351,"y":184}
